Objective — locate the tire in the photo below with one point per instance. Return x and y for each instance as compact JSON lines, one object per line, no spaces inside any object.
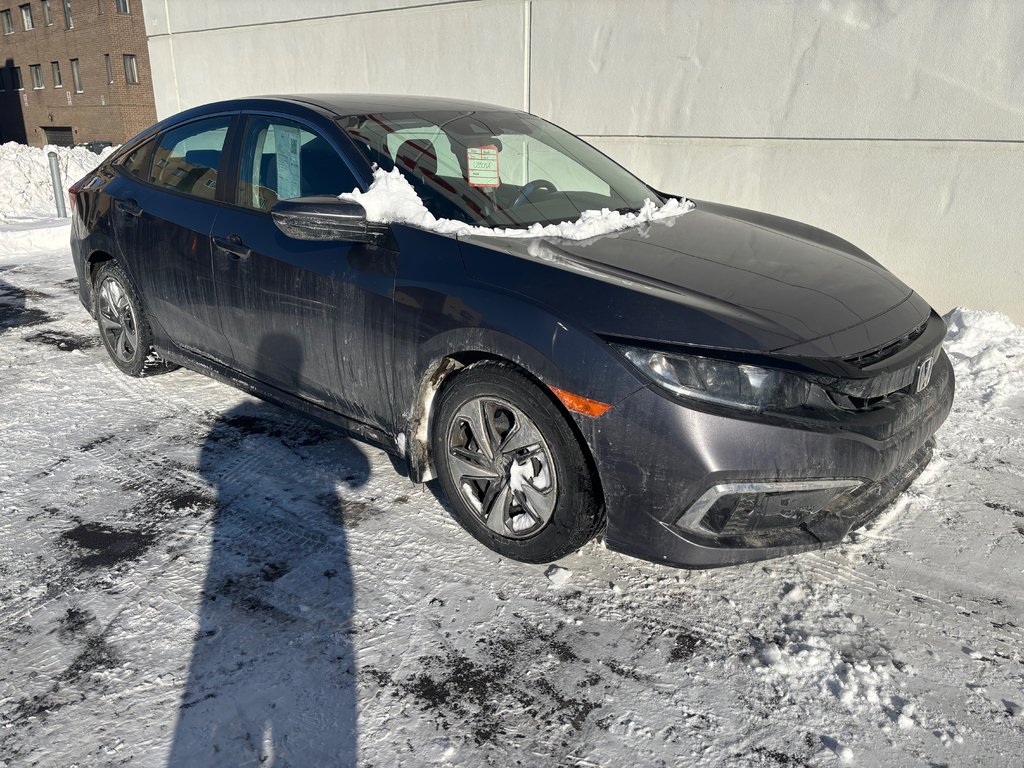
{"x":525,"y":489}
{"x":124,"y":329}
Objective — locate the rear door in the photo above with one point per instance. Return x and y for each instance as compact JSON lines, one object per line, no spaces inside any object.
{"x":164,"y":221}
{"x":310,"y":318}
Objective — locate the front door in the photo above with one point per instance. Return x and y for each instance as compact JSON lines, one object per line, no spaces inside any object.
{"x":310,"y":318}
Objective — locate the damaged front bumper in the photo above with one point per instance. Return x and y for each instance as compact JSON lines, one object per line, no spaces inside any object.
{"x":705,"y":488}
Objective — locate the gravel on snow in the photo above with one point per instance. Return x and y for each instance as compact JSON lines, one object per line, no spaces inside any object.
{"x":189,"y":576}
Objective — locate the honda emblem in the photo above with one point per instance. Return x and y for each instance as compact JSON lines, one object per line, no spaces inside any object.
{"x":924,"y":373}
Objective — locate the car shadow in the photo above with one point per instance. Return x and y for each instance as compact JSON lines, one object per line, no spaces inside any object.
{"x":272,"y":678}
{"x":13,"y":311}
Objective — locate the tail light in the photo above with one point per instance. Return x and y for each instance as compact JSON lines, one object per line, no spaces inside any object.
{"x":73,"y":191}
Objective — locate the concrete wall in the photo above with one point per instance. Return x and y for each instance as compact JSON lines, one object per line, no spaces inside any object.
{"x":898,"y":125}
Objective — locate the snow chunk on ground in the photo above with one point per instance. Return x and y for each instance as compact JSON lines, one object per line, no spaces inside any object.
{"x":26,"y":191}
{"x":391,"y":199}
{"x":558,"y":576}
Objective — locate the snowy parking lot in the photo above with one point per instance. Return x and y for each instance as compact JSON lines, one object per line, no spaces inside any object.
{"x":189,"y":576}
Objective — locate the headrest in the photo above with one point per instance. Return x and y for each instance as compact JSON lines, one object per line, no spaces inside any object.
{"x":417,"y":156}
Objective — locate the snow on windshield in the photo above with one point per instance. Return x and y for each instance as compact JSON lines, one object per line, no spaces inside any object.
{"x":391,"y":199}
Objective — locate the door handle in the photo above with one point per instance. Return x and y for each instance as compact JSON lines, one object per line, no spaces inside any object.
{"x":233,"y":246}
{"x":128,"y":207}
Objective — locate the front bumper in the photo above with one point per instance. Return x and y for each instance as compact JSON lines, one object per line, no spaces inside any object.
{"x":657,"y":458}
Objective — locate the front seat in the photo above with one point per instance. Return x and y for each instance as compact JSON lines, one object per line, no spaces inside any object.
{"x":418,"y":158}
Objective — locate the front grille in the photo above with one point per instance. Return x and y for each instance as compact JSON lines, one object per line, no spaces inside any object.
{"x":852,"y":403}
{"x":876,"y":391}
{"x":872,"y":356}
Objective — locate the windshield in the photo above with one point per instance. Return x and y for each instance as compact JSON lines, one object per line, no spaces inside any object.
{"x":496,"y":169}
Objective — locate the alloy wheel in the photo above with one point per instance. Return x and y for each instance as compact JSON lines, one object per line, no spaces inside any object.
{"x":502,"y":466}
{"x":117,"y":319}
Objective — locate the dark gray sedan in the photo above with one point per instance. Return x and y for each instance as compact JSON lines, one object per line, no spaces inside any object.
{"x":708,"y":388}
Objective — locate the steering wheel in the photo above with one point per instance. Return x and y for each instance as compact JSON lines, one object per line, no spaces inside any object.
{"x":537,"y":185}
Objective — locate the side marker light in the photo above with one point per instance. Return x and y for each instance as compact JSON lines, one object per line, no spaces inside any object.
{"x":580,"y":404}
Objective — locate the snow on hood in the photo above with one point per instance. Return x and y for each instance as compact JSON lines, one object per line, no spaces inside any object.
{"x":27,"y":192}
{"x":391,"y":199}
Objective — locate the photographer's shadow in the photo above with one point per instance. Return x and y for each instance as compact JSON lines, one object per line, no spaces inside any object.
{"x":272,"y":676}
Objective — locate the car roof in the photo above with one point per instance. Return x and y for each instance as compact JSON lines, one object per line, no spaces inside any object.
{"x":344,"y":104}
{"x":340,"y":104}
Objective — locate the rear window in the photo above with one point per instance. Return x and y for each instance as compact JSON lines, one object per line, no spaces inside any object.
{"x":187,"y":158}
{"x":136,"y":162}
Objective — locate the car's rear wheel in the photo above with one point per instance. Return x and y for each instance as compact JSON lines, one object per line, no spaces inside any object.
{"x":513,"y":470}
{"x":123,"y":326}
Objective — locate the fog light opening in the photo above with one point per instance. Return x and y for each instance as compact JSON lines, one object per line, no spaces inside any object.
{"x":735,"y":509}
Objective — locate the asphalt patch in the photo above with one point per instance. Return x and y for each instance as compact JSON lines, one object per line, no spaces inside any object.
{"x":355,"y":511}
{"x":685,"y":647}
{"x":474,"y":696}
{"x":74,"y":622}
{"x":66,"y":342}
{"x":107,"y":546}
{"x":96,"y":655}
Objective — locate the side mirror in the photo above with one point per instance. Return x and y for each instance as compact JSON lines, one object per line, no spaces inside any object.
{"x":326,"y":219}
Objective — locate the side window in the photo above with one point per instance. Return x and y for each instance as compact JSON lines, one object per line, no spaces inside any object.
{"x":186,"y":158}
{"x":136,"y":162}
{"x":282,"y":159}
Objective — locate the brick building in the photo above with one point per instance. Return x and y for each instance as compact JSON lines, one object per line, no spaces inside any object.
{"x":73,"y":71}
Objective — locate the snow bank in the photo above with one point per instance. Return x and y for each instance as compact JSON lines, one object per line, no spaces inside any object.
{"x":36,"y":236}
{"x":392,"y":199}
{"x":987,"y":352}
{"x":25,"y":188}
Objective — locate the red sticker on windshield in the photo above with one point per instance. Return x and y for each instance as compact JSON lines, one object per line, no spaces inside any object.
{"x":482,"y":165}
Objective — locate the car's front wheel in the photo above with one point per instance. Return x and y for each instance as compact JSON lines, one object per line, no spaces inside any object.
{"x":123,"y":326}
{"x":513,"y":470}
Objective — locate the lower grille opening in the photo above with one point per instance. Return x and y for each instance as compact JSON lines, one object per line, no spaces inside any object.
{"x":755,"y":516}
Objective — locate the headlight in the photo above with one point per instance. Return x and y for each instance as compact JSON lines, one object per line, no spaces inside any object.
{"x":717,"y":381}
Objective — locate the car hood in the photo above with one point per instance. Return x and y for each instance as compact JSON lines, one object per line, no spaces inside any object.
{"x":781,"y":283}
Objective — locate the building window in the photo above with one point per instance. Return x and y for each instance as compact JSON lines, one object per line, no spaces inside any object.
{"x":57,"y":81}
{"x":123,"y":6}
{"x":110,"y":67}
{"x":26,"y":17}
{"x":67,"y":15}
{"x":8,"y":22}
{"x":76,"y":75}
{"x":131,"y":72}
{"x":47,"y":16}
{"x":16,"y":78}
{"x":37,"y":75}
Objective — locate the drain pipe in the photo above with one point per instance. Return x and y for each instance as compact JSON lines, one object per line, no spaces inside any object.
{"x":58,"y":188}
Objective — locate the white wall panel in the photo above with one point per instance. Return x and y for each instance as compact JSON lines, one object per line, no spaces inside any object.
{"x":165,"y":85}
{"x":944,"y":219}
{"x":175,"y":16}
{"x":780,"y":68}
{"x":470,"y":50}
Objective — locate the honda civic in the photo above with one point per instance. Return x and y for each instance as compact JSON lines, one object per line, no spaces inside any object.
{"x":568,"y":351}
